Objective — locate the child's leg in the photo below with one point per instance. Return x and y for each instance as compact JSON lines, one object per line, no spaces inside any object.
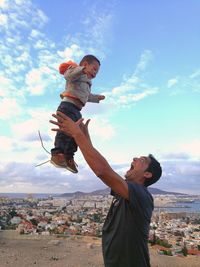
{"x":73,"y":112}
{"x":65,"y":144}
{"x":63,"y":153}
{"x":71,"y":148}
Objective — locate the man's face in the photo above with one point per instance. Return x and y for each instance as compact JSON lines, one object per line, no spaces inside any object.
{"x":138,"y":168}
{"x":91,"y":69}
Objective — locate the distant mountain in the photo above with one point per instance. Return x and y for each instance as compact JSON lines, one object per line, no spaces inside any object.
{"x":106,"y":191}
{"x":156,"y":191}
{"x":101,"y":192}
{"x":75,"y":194}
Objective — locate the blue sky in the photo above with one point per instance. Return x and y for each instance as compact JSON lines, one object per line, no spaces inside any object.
{"x":150,"y":75}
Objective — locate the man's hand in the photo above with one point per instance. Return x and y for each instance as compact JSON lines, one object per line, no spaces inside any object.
{"x":84,"y":129}
{"x":98,"y":164}
{"x":68,"y":126}
{"x":65,"y":124}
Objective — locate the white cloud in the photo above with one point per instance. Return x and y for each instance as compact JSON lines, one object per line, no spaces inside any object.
{"x":172,"y":82}
{"x":98,"y":25}
{"x":6,"y":85}
{"x":180,"y":176}
{"x":102,"y":129}
{"x":44,"y":179}
{"x":20,"y":2}
{"x":40,"y":17}
{"x":22,"y":14}
{"x":195,"y":74}
{"x":23,"y":143}
{"x":37,"y":80}
{"x":40,"y":44}
{"x":9,"y":108}
{"x":182,"y":84}
{"x":23,"y":57}
{"x":129,"y":85}
{"x":145,"y":58}
{"x":95,"y":29}
{"x":38,"y":120}
{"x":192,"y":148}
{"x":6,"y":143}
{"x":18,"y":67}
{"x":3,"y":4}
{"x":23,"y":20}
{"x":189,"y":151}
{"x":145,"y":93}
{"x":36,"y":33}
{"x":133,"y":89}
{"x":24,"y":128}
{"x":74,"y":51}
{"x":3,"y":20}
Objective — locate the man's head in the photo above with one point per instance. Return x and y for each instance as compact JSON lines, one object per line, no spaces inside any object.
{"x":144,"y":170}
{"x":91,"y":64}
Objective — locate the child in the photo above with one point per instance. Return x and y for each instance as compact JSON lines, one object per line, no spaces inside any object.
{"x":77,"y":93}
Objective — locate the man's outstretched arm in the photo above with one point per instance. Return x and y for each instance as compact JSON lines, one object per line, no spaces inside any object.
{"x":95,"y":160}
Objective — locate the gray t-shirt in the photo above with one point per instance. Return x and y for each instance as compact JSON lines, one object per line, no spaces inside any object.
{"x":126,"y":228}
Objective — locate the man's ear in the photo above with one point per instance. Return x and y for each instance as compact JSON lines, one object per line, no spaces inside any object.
{"x":147,"y":175}
{"x":84,"y":63}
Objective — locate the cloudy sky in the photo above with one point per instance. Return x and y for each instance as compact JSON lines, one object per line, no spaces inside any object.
{"x":150,"y":75}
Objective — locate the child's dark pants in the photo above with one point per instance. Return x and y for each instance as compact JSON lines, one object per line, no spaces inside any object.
{"x":64,"y":143}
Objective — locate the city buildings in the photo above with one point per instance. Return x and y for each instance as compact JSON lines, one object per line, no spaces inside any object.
{"x":171,"y":233}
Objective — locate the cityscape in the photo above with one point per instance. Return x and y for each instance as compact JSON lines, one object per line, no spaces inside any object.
{"x":174,"y":228}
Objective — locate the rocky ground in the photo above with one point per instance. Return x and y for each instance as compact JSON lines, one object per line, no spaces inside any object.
{"x":27,"y":251}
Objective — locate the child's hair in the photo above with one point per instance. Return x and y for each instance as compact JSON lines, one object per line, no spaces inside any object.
{"x":89,"y":59}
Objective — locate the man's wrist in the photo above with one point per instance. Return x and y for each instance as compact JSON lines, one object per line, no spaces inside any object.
{"x":78,"y":134}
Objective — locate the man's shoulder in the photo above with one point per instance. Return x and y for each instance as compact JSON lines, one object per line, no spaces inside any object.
{"x":139,"y":191}
{"x":136,"y":186}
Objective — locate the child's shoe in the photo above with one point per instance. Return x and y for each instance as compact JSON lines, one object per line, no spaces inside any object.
{"x":71,"y":165}
{"x":58,"y":160}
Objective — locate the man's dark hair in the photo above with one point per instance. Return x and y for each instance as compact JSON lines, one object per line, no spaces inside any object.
{"x":155,"y":169}
{"x":89,"y":59}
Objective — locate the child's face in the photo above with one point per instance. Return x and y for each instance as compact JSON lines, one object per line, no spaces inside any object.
{"x":91,"y":69}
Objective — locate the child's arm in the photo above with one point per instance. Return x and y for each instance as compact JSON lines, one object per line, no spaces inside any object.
{"x":95,"y":98}
{"x":74,"y":72}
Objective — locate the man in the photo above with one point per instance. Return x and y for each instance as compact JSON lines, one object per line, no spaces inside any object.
{"x":126,"y":228}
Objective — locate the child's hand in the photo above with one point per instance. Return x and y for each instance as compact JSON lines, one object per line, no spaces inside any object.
{"x":101,"y":97}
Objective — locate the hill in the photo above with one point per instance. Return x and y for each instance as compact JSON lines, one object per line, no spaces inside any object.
{"x":106,"y":191}
{"x":72,"y":251}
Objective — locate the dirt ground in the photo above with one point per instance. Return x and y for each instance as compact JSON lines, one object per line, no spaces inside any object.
{"x":47,"y":251}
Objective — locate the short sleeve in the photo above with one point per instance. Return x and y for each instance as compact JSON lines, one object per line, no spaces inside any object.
{"x":139,"y":197}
